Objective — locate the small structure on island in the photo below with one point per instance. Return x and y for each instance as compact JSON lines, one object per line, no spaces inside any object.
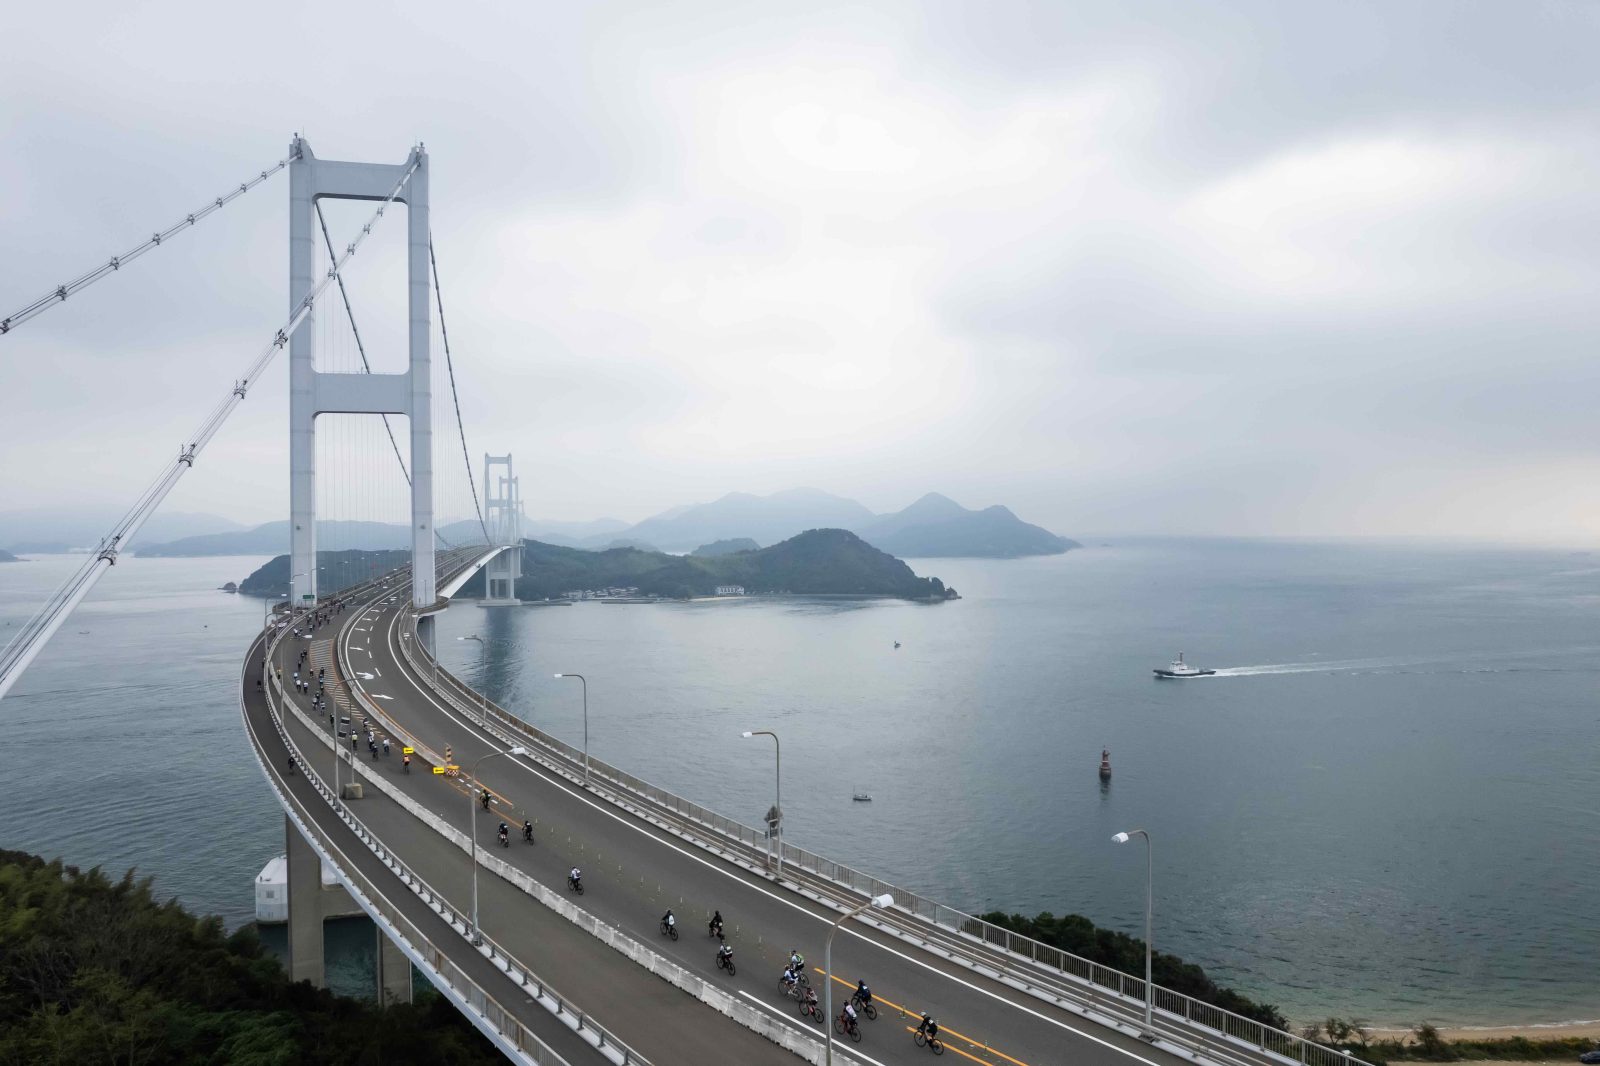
{"x":730,"y":590}
{"x":1105,"y":764}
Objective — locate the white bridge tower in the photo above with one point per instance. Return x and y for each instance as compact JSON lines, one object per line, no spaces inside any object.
{"x":312,"y":393}
{"x":502,"y":513}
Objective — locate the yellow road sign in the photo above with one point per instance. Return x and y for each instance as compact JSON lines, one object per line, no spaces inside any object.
{"x":407,"y":751}
{"x":438,"y":769}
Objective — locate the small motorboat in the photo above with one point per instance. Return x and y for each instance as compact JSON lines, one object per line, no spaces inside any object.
{"x":862,"y":796}
{"x":1177,"y":668}
{"x":897,"y":643}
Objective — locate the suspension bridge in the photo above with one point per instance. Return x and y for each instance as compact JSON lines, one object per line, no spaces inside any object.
{"x":549,"y":975}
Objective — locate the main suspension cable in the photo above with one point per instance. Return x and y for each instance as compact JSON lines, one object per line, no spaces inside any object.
{"x":117,"y":262}
{"x":28,"y":642}
{"x":465,"y":455}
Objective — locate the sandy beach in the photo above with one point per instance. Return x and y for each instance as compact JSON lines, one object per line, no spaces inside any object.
{"x":1553,"y":1031}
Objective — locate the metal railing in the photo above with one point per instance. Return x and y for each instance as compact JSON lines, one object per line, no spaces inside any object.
{"x":1177,"y":1016}
{"x":501,"y":1019}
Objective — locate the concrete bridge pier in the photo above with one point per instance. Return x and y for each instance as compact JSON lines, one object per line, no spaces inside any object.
{"x":311,"y":902}
{"x":394,"y":972}
{"x":306,"y":908}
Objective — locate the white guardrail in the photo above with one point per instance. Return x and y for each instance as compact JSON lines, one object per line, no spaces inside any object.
{"x":1192,"y":1026}
{"x":477,"y":1003}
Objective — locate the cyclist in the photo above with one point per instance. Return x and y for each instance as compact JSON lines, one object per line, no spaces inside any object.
{"x":811,"y":997}
{"x":797,"y":961}
{"x":862,"y":994}
{"x":789,"y":978}
{"x":574,"y":877}
{"x":407,"y":760}
{"x":503,"y":833}
{"x":848,"y":1016}
{"x":715,"y":925}
{"x":668,"y":920}
{"x":484,"y":799}
{"x":928,"y":1026}
{"x":527,"y":831}
{"x":724,"y":955}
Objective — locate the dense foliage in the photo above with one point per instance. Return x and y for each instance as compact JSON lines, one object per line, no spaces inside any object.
{"x":817,"y":562}
{"x":1078,"y":935}
{"x":339,"y":570}
{"x":97,"y":971}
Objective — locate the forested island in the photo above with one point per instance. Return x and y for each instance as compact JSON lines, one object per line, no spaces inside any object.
{"x":336,"y":570}
{"x":819,"y":562}
{"x":96,"y":970}
{"x":7,"y":557}
{"x":727,"y":546}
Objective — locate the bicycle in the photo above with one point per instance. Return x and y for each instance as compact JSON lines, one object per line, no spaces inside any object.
{"x":847,"y":1026}
{"x":935,"y":1045}
{"x":725,"y":962}
{"x":670,"y":929}
{"x":811,"y":1009}
{"x":866,"y":1007}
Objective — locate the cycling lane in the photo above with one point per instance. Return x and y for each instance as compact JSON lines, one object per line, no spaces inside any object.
{"x":636,"y":870}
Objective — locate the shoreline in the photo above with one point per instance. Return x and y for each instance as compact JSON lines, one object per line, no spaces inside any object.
{"x":1538,"y":1031}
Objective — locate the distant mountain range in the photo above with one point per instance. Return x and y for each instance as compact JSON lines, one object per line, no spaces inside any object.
{"x":63,"y":529}
{"x":933,"y":527}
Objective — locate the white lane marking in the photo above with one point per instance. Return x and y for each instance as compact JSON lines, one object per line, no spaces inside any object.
{"x":710,"y":865}
{"x":801,"y":1026}
{"x":363,"y":675}
{"x":379,"y":696}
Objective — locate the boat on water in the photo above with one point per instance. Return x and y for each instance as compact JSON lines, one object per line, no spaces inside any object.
{"x":1177,"y":668}
{"x":862,"y":796}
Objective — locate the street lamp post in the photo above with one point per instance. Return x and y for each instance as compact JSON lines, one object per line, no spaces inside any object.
{"x":585,"y":681}
{"x":777,"y":828}
{"x":880,"y":902}
{"x":1149,"y":909}
{"x":477,"y":933}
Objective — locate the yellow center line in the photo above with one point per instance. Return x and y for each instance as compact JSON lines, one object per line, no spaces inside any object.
{"x":944,"y":1030}
{"x":951,"y":1047}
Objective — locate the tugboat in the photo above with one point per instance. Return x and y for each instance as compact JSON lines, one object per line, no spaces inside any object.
{"x":1105,"y":764}
{"x":1177,"y":668}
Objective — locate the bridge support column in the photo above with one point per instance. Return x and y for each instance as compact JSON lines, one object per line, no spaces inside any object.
{"x":313,"y":393}
{"x":394,"y":972}
{"x":305,"y":908}
{"x":502,"y":513}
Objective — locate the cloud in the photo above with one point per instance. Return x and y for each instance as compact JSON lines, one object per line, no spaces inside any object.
{"x":1248,"y":268}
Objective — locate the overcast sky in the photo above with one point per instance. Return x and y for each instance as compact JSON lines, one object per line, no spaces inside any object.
{"x":1191,"y":267}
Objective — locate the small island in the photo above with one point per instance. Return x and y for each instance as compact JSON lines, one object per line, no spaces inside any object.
{"x":818,"y":562}
{"x":7,"y":557}
{"x":730,"y":546}
{"x":338,"y":570}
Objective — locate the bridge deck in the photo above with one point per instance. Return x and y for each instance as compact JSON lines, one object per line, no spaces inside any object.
{"x":634,"y":870}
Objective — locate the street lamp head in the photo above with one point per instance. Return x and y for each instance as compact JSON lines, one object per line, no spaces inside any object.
{"x":883,"y":901}
{"x":1120,"y":838}
{"x":747,"y":733}
{"x":559,"y":675}
{"x":518,"y":750}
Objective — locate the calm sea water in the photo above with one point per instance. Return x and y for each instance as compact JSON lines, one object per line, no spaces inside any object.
{"x":1385,"y":805}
